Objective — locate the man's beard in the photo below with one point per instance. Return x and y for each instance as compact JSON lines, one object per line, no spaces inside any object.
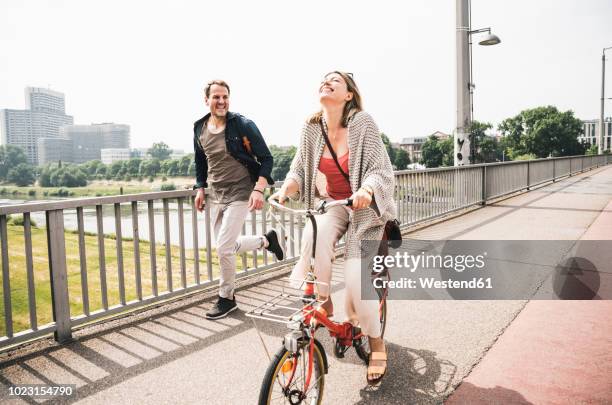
{"x":220,"y":116}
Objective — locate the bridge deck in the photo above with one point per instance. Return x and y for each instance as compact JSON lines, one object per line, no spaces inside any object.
{"x":502,"y":351}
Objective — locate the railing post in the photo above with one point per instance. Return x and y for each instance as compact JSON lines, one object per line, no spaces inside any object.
{"x":528,"y":180}
{"x":484,"y":185}
{"x":59,"y":277}
{"x":554,"y":170}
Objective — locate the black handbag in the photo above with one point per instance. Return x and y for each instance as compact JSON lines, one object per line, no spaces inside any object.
{"x":392,"y":233}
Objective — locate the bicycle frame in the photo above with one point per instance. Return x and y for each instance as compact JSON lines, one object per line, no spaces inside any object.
{"x":341,"y":331}
{"x":305,"y":320}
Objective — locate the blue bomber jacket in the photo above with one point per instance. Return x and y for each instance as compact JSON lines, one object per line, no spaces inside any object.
{"x":259,"y":162}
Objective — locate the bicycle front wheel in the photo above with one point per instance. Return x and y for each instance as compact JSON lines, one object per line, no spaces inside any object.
{"x":285,"y":379}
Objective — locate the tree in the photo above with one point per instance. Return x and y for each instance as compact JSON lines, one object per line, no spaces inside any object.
{"x":22,"y":175}
{"x":192,"y":168}
{"x":65,"y":176}
{"x":489,"y":150}
{"x":101,"y":171}
{"x":448,"y":152}
{"x":10,"y":157}
{"x":160,"y":151}
{"x":133,"y":165}
{"x":390,"y":149}
{"x":44,"y":178}
{"x":542,"y":131}
{"x":91,"y":168}
{"x":431,"y":153}
{"x":402,"y":160}
{"x":170,"y":167}
{"x":184,"y":164}
{"x":114,"y":168}
{"x":282,"y":161}
{"x":592,"y":150}
{"x":149,"y":168}
{"x":477,"y":133}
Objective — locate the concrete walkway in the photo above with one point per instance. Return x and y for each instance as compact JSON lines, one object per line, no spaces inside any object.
{"x":554,"y":352}
{"x":175,"y":356}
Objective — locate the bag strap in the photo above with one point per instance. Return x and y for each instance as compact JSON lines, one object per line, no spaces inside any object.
{"x":333,"y":153}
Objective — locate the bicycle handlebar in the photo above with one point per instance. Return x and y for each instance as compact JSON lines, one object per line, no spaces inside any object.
{"x":322,"y":207}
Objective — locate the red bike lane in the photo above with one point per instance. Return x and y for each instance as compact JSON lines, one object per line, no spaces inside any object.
{"x":554,"y":352}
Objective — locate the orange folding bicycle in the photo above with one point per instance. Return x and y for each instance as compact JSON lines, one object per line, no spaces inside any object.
{"x":296,"y":373}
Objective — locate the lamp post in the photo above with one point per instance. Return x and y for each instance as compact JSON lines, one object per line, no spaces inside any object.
{"x":600,"y":138}
{"x":465,"y":85}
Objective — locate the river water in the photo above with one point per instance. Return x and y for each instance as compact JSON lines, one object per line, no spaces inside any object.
{"x":108,"y":220}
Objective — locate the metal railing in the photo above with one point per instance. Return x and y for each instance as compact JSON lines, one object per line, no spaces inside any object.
{"x":70,"y":272}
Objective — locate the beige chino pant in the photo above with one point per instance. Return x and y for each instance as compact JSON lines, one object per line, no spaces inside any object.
{"x":227,"y":221}
{"x":330,"y":228}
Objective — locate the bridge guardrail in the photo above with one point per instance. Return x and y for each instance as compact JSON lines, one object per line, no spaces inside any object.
{"x":84,"y":276}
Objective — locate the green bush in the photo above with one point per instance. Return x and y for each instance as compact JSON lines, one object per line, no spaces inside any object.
{"x":151,"y":179}
{"x":22,"y":175}
{"x":168,"y":187}
{"x":526,"y":156}
{"x":64,"y":176}
{"x":18,"y":221}
{"x":61,"y":192}
{"x":3,"y":191}
{"x":31,"y":193}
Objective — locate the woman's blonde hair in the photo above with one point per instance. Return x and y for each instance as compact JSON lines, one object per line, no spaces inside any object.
{"x":352,"y":107}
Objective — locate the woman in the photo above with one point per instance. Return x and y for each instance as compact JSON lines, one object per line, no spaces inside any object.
{"x":356,"y":141}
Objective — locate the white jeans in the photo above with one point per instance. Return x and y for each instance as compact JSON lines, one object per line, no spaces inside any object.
{"x":227,"y":221}
{"x":330,"y":228}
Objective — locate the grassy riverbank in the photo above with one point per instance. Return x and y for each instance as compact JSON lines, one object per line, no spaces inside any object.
{"x":18,"y":278}
{"x":94,"y":188}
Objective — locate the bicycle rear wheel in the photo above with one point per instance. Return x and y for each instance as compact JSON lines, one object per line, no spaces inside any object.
{"x":285,"y":377}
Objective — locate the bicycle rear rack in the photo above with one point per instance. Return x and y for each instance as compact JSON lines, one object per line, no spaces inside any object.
{"x":286,"y":307}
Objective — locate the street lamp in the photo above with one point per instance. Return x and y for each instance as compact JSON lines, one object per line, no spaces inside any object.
{"x":600,"y":138}
{"x":465,"y":84}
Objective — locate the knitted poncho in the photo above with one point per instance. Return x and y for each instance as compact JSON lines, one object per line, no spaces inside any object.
{"x":369,"y":165}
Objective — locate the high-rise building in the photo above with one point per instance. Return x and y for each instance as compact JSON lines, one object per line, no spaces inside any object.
{"x":590,"y":132}
{"x":43,"y":118}
{"x":89,"y":140}
{"x":54,"y":150}
{"x":39,"y":99}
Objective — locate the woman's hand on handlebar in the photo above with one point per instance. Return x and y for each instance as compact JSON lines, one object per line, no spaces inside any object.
{"x":361,"y":199}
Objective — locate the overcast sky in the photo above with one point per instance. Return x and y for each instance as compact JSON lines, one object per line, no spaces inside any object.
{"x":144,"y":63}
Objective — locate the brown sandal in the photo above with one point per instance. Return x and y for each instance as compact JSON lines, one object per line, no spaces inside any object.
{"x":376,"y":356}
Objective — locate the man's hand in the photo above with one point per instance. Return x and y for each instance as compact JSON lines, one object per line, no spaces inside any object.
{"x":200,"y":200}
{"x":256,"y":200}
{"x":361,"y":199}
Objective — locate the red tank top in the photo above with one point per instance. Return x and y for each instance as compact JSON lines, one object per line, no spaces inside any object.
{"x":338,"y":187}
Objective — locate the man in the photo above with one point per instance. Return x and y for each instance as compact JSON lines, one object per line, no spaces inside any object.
{"x":232,"y":159}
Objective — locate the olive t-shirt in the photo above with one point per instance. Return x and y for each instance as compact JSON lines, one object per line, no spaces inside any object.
{"x":228,"y":179}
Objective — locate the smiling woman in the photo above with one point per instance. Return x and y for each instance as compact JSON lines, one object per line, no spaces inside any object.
{"x":343,"y":143}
